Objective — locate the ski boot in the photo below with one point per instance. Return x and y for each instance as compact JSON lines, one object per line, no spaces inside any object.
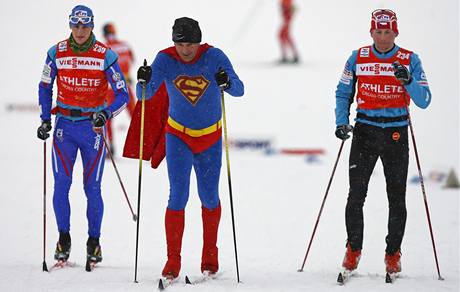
{"x":393,"y":262}
{"x":351,"y":259}
{"x":349,"y":264}
{"x":393,"y":265}
{"x":62,"y":252}
{"x":295,"y":60}
{"x":93,"y":253}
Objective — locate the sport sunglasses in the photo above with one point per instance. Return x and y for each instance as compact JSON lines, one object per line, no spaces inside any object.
{"x":80,"y":19}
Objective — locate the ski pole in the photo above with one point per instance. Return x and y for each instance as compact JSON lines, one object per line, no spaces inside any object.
{"x":420,"y":176}
{"x":422,"y":184}
{"x":44,"y":268}
{"x":424,"y":195}
{"x":118,"y":175}
{"x":322,"y":205}
{"x":141,"y":150}
{"x":229,"y":182}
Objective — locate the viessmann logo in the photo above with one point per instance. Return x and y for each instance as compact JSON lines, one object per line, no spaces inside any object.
{"x":367,"y":69}
{"x":84,"y":63}
{"x":191,"y":88}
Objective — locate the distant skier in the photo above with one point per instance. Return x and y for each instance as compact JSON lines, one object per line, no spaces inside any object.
{"x":286,"y":42}
{"x":82,"y":67}
{"x":125,"y":60}
{"x":194,"y":75}
{"x":382,"y":95}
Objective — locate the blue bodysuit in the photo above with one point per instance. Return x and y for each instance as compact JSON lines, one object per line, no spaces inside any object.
{"x":73,"y":132}
{"x":194,"y":107}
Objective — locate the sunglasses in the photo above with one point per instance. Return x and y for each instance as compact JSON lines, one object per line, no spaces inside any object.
{"x":383,"y":11}
{"x":80,"y":19}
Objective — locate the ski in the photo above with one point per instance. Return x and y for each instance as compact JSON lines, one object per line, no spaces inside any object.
{"x":390,"y":277}
{"x":62,"y":264}
{"x":164,"y":283}
{"x":343,"y":277}
{"x":206,"y":276}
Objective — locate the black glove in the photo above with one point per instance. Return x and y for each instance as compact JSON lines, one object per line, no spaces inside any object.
{"x":100,"y":118}
{"x":222,"y":79}
{"x":342,"y":131}
{"x":144,"y":73}
{"x":42,"y":131}
{"x":401,"y":73}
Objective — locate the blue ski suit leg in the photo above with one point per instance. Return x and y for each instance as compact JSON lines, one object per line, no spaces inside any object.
{"x":207,"y":164}
{"x":69,"y":136}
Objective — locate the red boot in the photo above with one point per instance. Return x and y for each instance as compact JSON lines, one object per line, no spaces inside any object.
{"x":393,"y":262}
{"x":174,"y":225}
{"x":209,"y":258}
{"x":351,"y":259}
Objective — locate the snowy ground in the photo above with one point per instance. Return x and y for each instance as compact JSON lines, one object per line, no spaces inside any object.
{"x":276,"y":198}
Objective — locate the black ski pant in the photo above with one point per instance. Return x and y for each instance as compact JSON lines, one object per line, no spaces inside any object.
{"x":368,"y":144}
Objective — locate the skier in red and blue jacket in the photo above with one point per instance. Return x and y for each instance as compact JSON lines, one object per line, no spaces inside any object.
{"x":82,"y":67}
{"x":125,"y":60}
{"x":384,"y":78}
{"x":193,"y":75}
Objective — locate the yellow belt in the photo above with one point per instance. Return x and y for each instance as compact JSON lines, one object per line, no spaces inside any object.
{"x":194,"y":132}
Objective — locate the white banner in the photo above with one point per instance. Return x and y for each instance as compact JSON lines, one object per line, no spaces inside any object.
{"x":374,"y":69}
{"x":83,"y":63}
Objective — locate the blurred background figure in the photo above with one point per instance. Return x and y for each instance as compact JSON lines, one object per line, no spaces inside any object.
{"x":125,"y":59}
{"x":286,"y":42}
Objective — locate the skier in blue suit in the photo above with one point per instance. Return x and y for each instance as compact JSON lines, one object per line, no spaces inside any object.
{"x":82,"y":68}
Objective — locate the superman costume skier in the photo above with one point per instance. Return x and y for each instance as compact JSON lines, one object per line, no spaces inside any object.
{"x":189,"y":77}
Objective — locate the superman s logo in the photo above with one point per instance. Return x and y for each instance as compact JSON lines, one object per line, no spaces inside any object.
{"x":192,"y":88}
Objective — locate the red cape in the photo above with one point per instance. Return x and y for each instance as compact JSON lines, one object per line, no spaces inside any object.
{"x":155,"y":119}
